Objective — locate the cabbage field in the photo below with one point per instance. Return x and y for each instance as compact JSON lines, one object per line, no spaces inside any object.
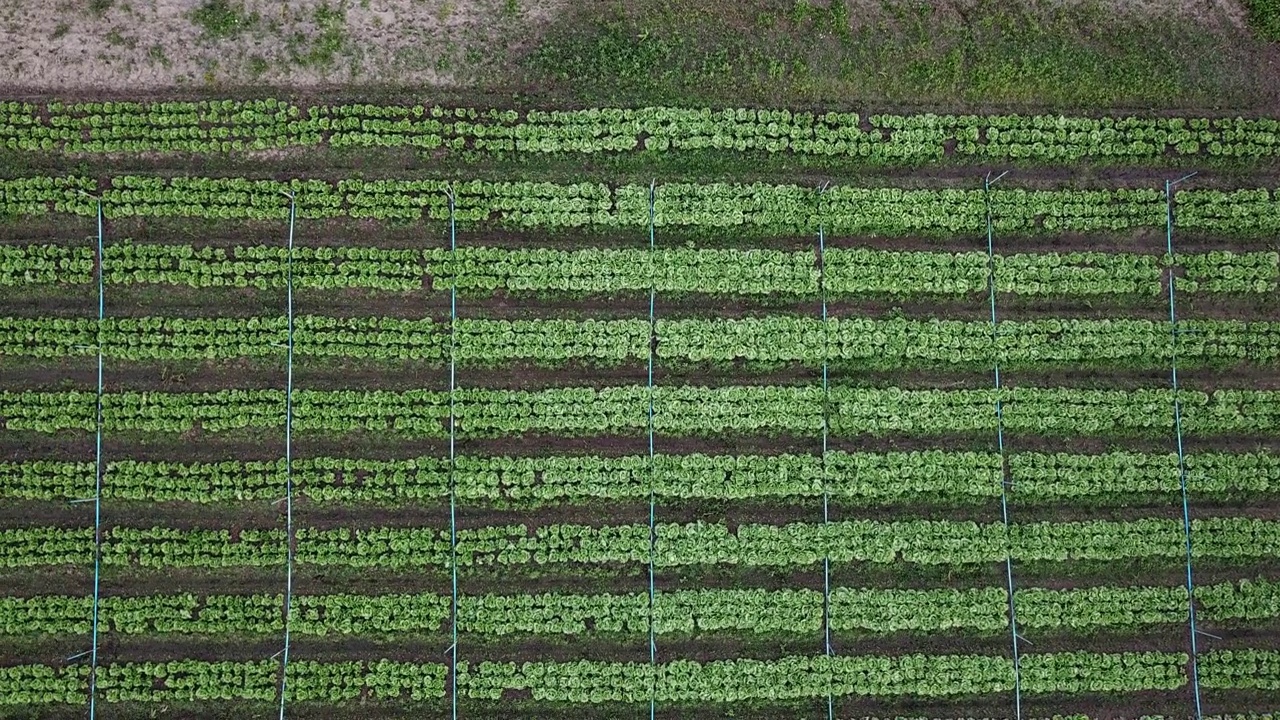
{"x":317,"y":410}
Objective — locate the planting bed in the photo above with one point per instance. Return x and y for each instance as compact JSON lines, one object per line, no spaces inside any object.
{"x":806,"y":447}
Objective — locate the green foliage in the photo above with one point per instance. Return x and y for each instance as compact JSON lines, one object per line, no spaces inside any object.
{"x":186,"y":681}
{"x":32,"y":547}
{"x":1264,"y":17}
{"x":321,"y":50}
{"x":610,"y":52}
{"x":593,"y":681}
{"x":257,"y":65}
{"x":888,"y":610}
{"x":221,"y":18}
{"x":37,"y":685}
{"x":785,"y":410}
{"x":1234,"y":604}
{"x":224,"y":126}
{"x":788,"y":677}
{"x":861,"y":478}
{"x":1244,"y":669}
{"x":482,"y":271}
{"x":781,"y":209}
{"x":1089,"y":608}
{"x":757,"y":343}
{"x":1084,"y":672}
{"x":167,"y":338}
{"x":875,"y":611}
{"x":902,"y":51}
{"x":739,"y":680}
{"x":923,"y":542}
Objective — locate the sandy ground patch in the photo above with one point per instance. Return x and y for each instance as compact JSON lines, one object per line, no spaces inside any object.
{"x":153,"y":44}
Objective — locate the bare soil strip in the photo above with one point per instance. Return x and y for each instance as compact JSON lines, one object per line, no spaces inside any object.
{"x":186,"y":302}
{"x":269,"y":446}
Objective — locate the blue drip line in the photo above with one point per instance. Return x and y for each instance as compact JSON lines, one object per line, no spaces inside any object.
{"x":453,"y":478}
{"x":97,"y":495}
{"x":1182,"y":461}
{"x":1004,"y":481}
{"x":653,"y":539}
{"x":288,"y":463}
{"x":826,"y":402}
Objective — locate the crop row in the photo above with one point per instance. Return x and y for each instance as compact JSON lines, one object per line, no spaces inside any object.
{"x":480,"y":271}
{"x":917,"y":675}
{"x":886,"y":139}
{"x":772,"y":612}
{"x":674,"y":681}
{"x":852,"y":477}
{"x":928,"y":542}
{"x":185,"y":681}
{"x":773,"y":208}
{"x":763,"y":342}
{"x":677,"y":410}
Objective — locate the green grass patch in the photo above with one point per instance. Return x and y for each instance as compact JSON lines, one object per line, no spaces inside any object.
{"x":321,"y":49}
{"x":222,"y":19}
{"x":1264,"y":17}
{"x":950,"y":55}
